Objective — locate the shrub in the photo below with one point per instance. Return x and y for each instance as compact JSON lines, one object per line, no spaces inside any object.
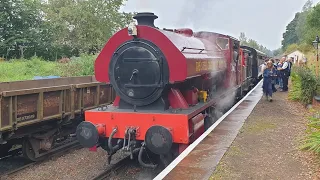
{"x":304,"y":85}
{"x":78,"y":66}
{"x":312,"y":140}
{"x":295,"y":89}
{"x":22,"y":69}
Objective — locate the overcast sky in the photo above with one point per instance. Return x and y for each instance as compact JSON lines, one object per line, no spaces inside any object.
{"x":261,"y":20}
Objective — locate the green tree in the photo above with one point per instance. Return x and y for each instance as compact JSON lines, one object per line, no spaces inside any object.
{"x":20,"y":21}
{"x":85,"y":25}
{"x":290,"y":36}
{"x":252,"y":43}
{"x":242,"y":38}
{"x":307,"y":6}
{"x":312,"y":24}
{"x":277,"y":52}
{"x":301,"y":23}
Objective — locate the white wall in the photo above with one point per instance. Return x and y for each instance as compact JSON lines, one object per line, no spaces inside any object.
{"x":297,"y":55}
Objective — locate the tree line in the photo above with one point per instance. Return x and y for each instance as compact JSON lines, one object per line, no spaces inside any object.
{"x":253,"y":43}
{"x":53,"y":29}
{"x":303,"y":29}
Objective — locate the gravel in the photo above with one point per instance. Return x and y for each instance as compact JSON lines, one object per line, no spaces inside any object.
{"x":80,"y":164}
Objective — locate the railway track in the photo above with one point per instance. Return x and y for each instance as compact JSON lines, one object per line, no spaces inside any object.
{"x":113,"y":169}
{"x":13,"y":163}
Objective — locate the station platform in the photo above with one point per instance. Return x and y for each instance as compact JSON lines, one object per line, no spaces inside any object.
{"x":255,"y":139}
{"x":200,"y":159}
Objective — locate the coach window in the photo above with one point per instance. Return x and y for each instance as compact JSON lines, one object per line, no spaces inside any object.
{"x":223,"y":43}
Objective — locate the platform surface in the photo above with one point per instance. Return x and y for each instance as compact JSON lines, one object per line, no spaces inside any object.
{"x":201,"y":162}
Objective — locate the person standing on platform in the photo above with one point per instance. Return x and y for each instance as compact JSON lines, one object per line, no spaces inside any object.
{"x":280,"y":82}
{"x":263,"y":66}
{"x":268,"y":75}
{"x":274,"y":78}
{"x":284,"y":72}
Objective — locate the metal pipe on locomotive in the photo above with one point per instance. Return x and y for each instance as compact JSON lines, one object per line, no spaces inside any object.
{"x":166,"y":83}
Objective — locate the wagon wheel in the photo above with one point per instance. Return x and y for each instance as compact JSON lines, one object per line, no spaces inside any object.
{"x":28,"y":151}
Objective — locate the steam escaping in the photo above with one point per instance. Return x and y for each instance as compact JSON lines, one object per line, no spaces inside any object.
{"x":196,"y":15}
{"x":227,"y":102}
{"x":144,"y":5}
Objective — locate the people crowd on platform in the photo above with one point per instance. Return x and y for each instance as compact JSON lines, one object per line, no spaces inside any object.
{"x":275,"y":74}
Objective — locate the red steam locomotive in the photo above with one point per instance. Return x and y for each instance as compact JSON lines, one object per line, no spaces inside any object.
{"x":167,"y":83}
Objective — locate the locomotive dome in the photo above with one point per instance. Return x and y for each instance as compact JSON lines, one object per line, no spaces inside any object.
{"x":138,"y":70}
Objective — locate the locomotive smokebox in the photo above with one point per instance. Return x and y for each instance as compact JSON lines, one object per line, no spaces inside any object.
{"x":145,"y":18}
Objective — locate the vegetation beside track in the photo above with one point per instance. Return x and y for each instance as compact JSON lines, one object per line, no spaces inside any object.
{"x":299,"y":35}
{"x":305,"y":85}
{"x":23,"y":69}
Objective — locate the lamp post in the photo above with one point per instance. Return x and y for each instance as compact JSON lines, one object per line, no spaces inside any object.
{"x":316,"y":46}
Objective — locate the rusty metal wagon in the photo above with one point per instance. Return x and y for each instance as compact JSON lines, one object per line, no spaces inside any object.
{"x":40,"y":114}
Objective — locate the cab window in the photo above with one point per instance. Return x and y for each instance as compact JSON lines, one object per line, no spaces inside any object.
{"x":223,"y":43}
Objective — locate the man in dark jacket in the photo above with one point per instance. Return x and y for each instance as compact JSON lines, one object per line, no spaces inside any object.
{"x":284,"y":71}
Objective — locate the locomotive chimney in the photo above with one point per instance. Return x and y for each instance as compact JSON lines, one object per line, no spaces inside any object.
{"x":145,"y":18}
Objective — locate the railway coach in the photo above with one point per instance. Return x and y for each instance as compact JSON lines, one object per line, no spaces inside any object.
{"x":256,"y":58}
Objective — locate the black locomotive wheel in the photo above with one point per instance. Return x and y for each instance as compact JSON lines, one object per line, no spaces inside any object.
{"x":210,"y":119}
{"x":166,"y":159}
{"x":28,"y":152}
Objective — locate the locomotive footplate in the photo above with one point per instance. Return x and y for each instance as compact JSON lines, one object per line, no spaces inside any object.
{"x":174,"y":120}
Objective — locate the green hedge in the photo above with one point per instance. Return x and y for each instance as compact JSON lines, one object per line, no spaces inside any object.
{"x":304,"y":85}
{"x":303,"y":88}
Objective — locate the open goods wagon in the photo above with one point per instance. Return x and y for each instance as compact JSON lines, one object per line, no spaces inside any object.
{"x":38,"y":114}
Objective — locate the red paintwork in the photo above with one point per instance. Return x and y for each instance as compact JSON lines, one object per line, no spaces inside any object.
{"x":176,"y":123}
{"x":116,"y":101}
{"x":176,"y":99}
{"x":243,"y":66}
{"x":191,"y":96}
{"x":196,"y":126}
{"x":173,"y":55}
{"x":184,"y":31}
{"x":196,"y":129}
{"x":93,"y":149}
{"x":101,"y":129}
{"x":242,"y":58}
{"x":182,"y":65}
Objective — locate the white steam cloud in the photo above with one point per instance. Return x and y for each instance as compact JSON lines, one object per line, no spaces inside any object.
{"x":196,"y":15}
